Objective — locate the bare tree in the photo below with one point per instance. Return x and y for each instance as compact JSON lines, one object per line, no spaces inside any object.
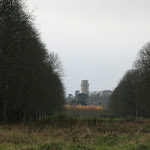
{"x":56,"y":63}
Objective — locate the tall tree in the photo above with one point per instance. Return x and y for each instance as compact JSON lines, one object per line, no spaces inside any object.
{"x":132,"y":96}
{"x":143,"y":65}
{"x":123,"y":99}
{"x":29,"y":84}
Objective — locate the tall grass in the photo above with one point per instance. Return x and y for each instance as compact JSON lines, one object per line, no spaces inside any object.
{"x":63,"y":133}
{"x":78,"y":128}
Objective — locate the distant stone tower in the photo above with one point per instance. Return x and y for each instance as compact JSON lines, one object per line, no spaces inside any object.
{"x":85,"y":87}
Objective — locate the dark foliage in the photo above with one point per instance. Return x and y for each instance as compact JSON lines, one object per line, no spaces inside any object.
{"x":79,"y":99}
{"x":132,"y":96}
{"x":30,"y":86}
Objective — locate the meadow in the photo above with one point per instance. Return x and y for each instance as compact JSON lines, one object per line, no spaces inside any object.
{"x":62,"y":132}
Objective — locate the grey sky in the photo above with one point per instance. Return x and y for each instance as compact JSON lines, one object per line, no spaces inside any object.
{"x":97,"y":40}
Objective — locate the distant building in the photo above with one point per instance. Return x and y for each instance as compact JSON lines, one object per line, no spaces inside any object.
{"x":85,"y":87}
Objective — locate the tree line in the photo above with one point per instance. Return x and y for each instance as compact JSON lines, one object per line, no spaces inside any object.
{"x":132,"y":95}
{"x":93,"y":98}
{"x":77,"y":99}
{"x":31,"y":83}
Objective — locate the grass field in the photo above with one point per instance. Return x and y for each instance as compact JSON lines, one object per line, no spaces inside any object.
{"x":72,"y":134}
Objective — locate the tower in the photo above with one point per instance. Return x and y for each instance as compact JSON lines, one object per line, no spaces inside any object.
{"x":85,"y":87}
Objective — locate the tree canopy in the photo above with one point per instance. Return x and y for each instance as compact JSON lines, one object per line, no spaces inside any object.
{"x":30,"y":78}
{"x":132,"y":96}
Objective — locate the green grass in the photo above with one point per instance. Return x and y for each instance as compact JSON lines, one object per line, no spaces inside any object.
{"x":71,"y":134}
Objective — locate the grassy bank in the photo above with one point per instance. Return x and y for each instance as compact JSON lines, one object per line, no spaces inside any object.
{"x":72,"y":134}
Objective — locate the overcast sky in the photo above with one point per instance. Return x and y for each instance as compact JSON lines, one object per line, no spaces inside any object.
{"x":97,"y":40}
